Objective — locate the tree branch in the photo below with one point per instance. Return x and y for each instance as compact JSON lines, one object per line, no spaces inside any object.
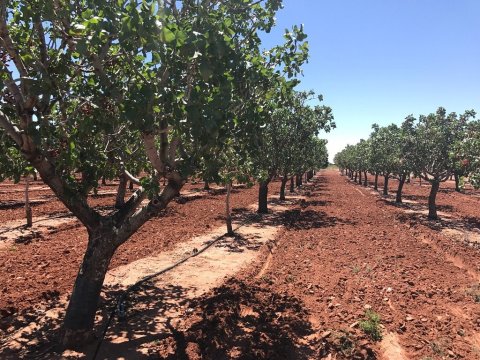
{"x":11,"y":129}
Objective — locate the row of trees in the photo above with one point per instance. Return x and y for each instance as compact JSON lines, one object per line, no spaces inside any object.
{"x":108,"y":89}
{"x":433,"y":147}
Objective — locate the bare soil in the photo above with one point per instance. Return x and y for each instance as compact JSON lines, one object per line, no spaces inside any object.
{"x":341,"y":253}
{"x":44,"y":266}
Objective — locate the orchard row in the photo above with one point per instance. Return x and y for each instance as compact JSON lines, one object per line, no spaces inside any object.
{"x":433,"y":147}
{"x":96,"y":89}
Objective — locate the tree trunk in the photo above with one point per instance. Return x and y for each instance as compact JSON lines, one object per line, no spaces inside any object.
{"x":365,"y":179}
{"x":263,"y":197}
{"x":282,"y":188}
{"x":355,"y":177}
{"x":130,"y":186}
{"x":457,"y":182}
{"x":227,"y":208}
{"x":385,"y":185}
{"x":206,"y":186}
{"x":28,"y":209}
{"x":375,"y":185}
{"x":104,"y":181}
{"x":80,"y":315}
{"x":35,"y":175}
{"x":122,"y":189}
{"x":360,"y":177}
{"x":402,"y":179}
{"x":292,"y":185}
{"x":432,"y":208}
{"x":298,"y":180}
{"x":311,"y":173}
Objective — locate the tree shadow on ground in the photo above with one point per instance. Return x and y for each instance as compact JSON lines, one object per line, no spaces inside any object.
{"x":291,"y":219}
{"x":12,"y":204}
{"x":238,"y":321}
{"x":142,"y":322}
{"x":417,"y":207}
{"x":463,"y":230}
{"x":415,"y":197}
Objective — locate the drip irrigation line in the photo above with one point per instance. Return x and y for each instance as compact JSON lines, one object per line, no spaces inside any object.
{"x":120,"y":302}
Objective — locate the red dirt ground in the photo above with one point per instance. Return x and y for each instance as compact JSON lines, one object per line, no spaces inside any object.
{"x":344,"y":251}
{"x":46,"y":267}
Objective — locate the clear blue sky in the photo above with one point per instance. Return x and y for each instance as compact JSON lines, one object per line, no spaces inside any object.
{"x":381,"y":60}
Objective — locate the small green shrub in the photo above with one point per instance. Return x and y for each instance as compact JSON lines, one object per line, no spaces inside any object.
{"x":371,"y":325}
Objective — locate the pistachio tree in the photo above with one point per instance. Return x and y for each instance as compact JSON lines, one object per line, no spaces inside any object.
{"x":384,"y":141}
{"x":169,"y":76}
{"x":14,"y":167}
{"x":434,"y":147}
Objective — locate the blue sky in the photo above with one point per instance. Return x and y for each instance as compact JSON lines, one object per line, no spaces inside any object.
{"x":381,"y":60}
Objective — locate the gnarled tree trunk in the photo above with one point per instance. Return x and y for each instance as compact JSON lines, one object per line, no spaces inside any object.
{"x":365,"y":179}
{"x":298,"y":180}
{"x":398,"y":198}
{"x":80,"y":316}
{"x":263,"y":197}
{"x":360,"y":177}
{"x":432,"y":208}
{"x":121,"y":191}
{"x":385,"y":185}
{"x":375,"y":185}
{"x":457,"y":182}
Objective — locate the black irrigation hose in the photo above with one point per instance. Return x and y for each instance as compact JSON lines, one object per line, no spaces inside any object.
{"x":120,"y":302}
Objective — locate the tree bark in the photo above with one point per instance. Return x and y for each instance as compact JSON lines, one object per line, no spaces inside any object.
{"x":28,"y":208}
{"x":292,"y":185}
{"x":282,"y":187}
{"x":375,"y":185}
{"x":355,"y":177}
{"x":398,"y":198}
{"x":298,"y":180}
{"x":365,"y":179}
{"x":263,"y":198}
{"x":457,"y":182}
{"x":80,"y":315}
{"x":385,"y":185}
{"x":360,"y":177}
{"x":227,"y":208}
{"x":104,"y":181}
{"x":130,"y":186}
{"x":432,"y":208}
{"x":206,"y":186}
{"x":121,"y":191}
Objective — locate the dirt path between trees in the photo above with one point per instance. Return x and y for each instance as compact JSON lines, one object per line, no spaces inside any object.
{"x":164,"y":300}
{"x":343,"y":253}
{"x":347,"y":252}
